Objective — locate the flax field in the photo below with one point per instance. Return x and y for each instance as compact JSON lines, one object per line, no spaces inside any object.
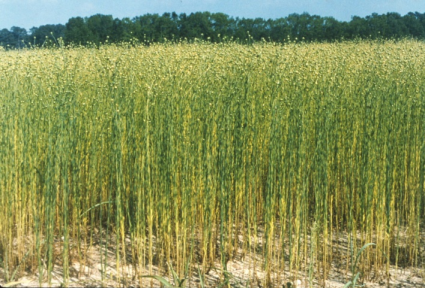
{"x":186,"y":156}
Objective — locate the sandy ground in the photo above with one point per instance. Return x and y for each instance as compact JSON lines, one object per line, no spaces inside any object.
{"x":242,"y":272}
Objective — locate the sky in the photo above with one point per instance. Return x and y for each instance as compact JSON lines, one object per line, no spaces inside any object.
{"x":34,"y":13}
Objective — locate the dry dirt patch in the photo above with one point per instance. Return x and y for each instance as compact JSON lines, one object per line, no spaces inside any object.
{"x":245,"y":270}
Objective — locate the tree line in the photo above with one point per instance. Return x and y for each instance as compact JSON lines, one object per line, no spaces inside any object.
{"x":215,"y":27}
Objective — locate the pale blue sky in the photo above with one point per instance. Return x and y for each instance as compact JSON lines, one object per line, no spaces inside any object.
{"x":29,"y":13}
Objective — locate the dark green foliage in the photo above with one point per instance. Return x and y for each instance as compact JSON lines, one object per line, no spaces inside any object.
{"x":13,"y":38}
{"x":77,"y":31}
{"x":46,"y":34}
{"x":216,"y":27}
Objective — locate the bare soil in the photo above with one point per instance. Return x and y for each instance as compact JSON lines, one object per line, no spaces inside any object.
{"x":243,"y":271}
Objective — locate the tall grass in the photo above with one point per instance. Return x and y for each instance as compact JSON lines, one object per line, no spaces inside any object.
{"x":201,"y":152}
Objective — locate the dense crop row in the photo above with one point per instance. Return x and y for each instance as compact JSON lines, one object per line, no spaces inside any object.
{"x":198,"y":150}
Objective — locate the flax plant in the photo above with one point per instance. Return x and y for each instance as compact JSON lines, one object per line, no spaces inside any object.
{"x":194,"y":154}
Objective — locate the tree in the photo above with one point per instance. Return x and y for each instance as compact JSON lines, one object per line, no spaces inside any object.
{"x":77,"y":32}
{"x":243,"y":27}
{"x":127,"y":28}
{"x":221,"y":25}
{"x":19,"y":36}
{"x":260,"y":29}
{"x":167,"y":25}
{"x":52,"y":32}
{"x":358,"y":27}
{"x":101,"y":27}
{"x":146,"y":27}
{"x":395,"y":26}
{"x":6,"y":38}
{"x":413,"y":25}
{"x":215,"y":26}
{"x":196,"y":25}
{"x":332,"y":29}
{"x":280,"y":30}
